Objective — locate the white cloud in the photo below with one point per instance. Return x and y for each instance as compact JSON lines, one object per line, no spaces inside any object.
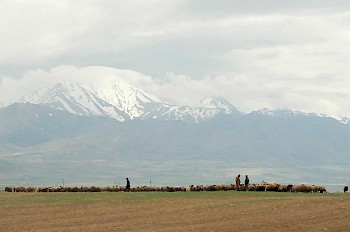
{"x":37,"y":31}
{"x":12,"y":89}
{"x":286,"y":55}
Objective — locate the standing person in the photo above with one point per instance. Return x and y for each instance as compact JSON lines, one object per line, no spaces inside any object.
{"x":127,"y":184}
{"x":238,"y":181}
{"x":246,"y":182}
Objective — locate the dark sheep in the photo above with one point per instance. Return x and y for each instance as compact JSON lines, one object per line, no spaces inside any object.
{"x":9,"y":189}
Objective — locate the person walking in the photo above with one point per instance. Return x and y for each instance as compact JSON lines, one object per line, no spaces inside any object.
{"x":127,"y":184}
{"x":238,"y":182}
{"x":246,"y":182}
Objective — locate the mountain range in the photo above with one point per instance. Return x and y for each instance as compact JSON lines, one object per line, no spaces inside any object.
{"x":122,"y":102}
{"x":90,"y":134}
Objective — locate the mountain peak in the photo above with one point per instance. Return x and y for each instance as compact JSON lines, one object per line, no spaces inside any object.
{"x":125,"y":97}
{"x":110,"y":98}
{"x":217,"y":103}
{"x":282,"y":113}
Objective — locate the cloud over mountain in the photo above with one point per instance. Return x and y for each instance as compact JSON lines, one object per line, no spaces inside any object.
{"x":275,"y":55}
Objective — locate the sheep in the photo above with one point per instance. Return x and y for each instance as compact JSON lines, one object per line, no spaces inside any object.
{"x":95,"y":189}
{"x":227,"y":187}
{"x":67,"y":189}
{"x":20,"y":189}
{"x":321,"y":189}
{"x":264,"y":186}
{"x":285,"y":188}
{"x":9,"y":189}
{"x":282,"y":188}
{"x":170,"y":189}
{"x":301,"y":188}
{"x":271,"y":187}
{"x":256,"y":187}
{"x":118,"y":189}
{"x":30,"y":189}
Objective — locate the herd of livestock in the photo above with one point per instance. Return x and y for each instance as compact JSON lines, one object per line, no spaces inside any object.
{"x":262,"y":187}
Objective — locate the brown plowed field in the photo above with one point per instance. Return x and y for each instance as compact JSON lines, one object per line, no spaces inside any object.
{"x":179,"y":211}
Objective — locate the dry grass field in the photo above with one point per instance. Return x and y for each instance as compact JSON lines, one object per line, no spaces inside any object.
{"x":179,"y":211}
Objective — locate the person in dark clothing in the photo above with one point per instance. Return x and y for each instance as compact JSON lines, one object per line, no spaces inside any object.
{"x":246,"y":182}
{"x":127,"y":184}
{"x":346,"y":188}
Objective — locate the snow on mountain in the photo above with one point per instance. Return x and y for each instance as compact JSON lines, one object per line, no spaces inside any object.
{"x":75,"y":99}
{"x":122,"y":101}
{"x":282,"y":112}
{"x":184,"y":113}
{"x":209,"y":108}
{"x":126,"y":98}
{"x":218,"y":103}
{"x":344,"y":120}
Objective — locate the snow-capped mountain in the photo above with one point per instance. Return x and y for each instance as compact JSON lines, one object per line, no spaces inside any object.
{"x":126,"y":98}
{"x":75,"y":99}
{"x":209,"y":108}
{"x":286,"y":113}
{"x":122,"y":101}
{"x":282,"y":112}
{"x":218,"y":103}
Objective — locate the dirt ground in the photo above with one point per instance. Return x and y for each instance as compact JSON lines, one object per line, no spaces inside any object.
{"x":186,"y":211}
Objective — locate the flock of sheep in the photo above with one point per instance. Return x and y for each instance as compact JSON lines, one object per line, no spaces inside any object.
{"x":264,"y":186}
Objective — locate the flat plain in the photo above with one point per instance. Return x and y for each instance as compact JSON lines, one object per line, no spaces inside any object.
{"x":176,"y":211}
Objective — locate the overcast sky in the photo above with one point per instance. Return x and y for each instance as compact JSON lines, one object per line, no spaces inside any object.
{"x":256,"y":54}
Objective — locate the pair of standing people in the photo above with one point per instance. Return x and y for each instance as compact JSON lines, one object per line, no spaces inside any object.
{"x":238,"y":182}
